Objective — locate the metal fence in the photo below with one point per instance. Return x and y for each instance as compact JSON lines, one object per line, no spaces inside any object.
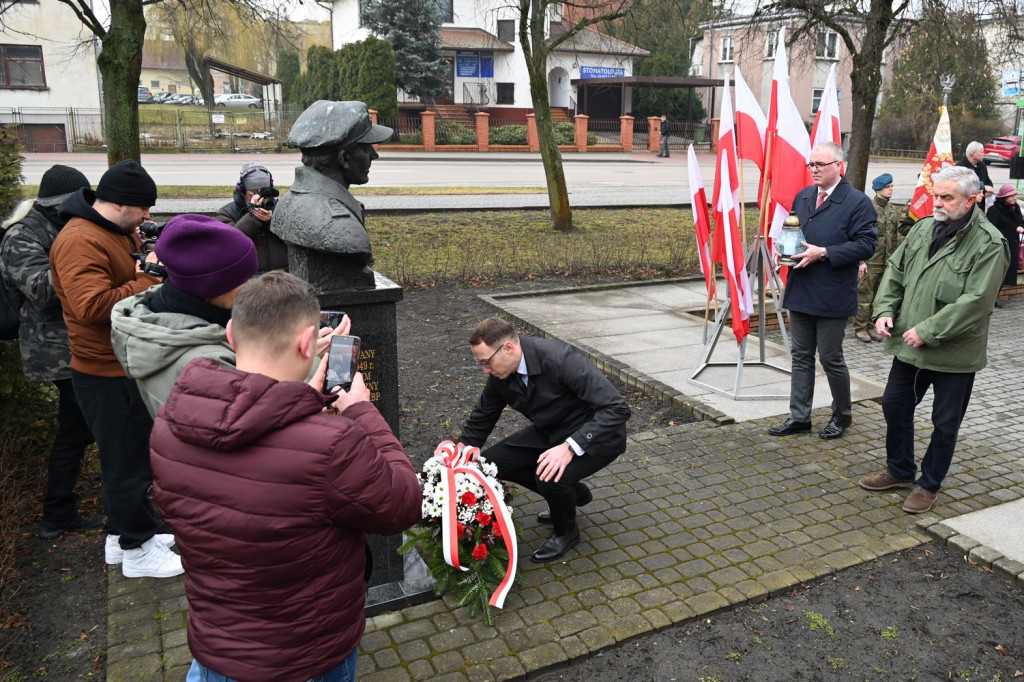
{"x":186,"y":129}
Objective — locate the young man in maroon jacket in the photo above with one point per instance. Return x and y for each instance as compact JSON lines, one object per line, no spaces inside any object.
{"x":270,"y":496}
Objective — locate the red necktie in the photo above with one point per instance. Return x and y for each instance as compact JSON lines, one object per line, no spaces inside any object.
{"x":821,"y":199}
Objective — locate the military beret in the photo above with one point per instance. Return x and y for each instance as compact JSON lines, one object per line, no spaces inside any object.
{"x":335,"y":123}
{"x":881,"y":182}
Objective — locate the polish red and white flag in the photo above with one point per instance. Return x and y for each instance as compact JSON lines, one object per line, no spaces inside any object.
{"x":940,"y":155}
{"x":751,"y":125}
{"x":734,"y":262}
{"x":790,"y":145}
{"x":726,"y":150}
{"x":826,"y":123}
{"x":701,"y":219}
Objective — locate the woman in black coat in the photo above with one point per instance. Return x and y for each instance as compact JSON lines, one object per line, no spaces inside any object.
{"x":1006,"y":215}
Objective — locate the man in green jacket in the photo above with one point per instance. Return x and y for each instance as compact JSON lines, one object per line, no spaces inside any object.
{"x":933,"y":306}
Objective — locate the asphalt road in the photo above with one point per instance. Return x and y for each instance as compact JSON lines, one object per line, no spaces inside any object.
{"x":612,"y":179}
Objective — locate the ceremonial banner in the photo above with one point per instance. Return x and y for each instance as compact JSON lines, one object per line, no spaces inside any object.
{"x":701,"y":219}
{"x":940,"y":155}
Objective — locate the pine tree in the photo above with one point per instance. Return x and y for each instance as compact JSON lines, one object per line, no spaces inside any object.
{"x":413,"y":27}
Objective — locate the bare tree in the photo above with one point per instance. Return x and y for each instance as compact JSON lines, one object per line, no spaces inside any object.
{"x":120,"y":60}
{"x":867,"y":29}
{"x":538,"y":44}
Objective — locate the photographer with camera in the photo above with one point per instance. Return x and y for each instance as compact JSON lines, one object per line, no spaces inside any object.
{"x":93,"y":268}
{"x":251,"y":210}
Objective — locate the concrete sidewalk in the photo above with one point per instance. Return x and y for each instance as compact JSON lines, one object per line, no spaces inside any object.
{"x":690,"y":520}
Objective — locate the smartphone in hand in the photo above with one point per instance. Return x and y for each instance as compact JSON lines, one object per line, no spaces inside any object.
{"x":341,"y":362}
{"x":331,"y":318}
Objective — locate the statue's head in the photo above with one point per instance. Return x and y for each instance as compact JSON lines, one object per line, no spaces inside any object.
{"x":336,"y":139}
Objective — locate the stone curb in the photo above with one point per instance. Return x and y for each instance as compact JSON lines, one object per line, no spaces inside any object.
{"x":973,"y":551}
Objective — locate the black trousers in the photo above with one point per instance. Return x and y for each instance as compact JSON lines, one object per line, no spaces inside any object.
{"x":60,"y":504}
{"x":516,"y":459}
{"x":121,"y":424}
{"x":904,"y":391}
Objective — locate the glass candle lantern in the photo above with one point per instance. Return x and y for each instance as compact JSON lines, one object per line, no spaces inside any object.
{"x":791,"y":241}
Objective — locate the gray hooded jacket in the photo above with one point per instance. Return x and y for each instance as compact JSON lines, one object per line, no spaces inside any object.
{"x":154,"y":347}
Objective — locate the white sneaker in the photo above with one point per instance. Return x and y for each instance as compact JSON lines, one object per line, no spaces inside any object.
{"x":152,"y":560}
{"x":114,"y":553}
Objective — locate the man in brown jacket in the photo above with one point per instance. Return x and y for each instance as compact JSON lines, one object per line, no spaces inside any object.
{"x":92,"y":265}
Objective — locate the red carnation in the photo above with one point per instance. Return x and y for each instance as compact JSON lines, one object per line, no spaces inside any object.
{"x":496,"y":531}
{"x":483,"y":519}
{"x":460,"y":528}
{"x":479,"y":552}
{"x":468,"y":499}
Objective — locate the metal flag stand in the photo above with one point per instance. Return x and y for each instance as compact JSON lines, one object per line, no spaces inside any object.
{"x":757,"y":257}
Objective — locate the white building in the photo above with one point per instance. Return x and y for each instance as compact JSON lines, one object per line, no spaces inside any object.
{"x":487,"y":69}
{"x":47,"y":60}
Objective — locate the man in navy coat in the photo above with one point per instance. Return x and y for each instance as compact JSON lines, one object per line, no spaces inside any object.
{"x":578,"y":422}
{"x":839,"y":225}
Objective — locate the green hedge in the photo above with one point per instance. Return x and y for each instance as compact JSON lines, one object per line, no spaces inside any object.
{"x":512,"y":134}
{"x":452,"y":132}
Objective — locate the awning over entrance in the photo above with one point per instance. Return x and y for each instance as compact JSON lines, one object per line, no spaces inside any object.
{"x":585,"y":85}
{"x":472,"y":39}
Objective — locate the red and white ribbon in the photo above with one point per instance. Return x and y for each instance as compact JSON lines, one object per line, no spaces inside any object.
{"x":460,"y":458}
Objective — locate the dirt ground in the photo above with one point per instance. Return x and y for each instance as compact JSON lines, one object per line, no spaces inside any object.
{"x":924,"y":614}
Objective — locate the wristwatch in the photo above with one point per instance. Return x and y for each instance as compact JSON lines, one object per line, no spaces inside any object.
{"x":824,"y":254}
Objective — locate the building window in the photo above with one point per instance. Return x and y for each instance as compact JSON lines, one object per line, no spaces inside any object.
{"x":828,"y":45}
{"x":507,"y":30}
{"x":727,"y":48}
{"x":816,"y":96}
{"x":22,"y":66}
{"x":506,"y":93}
{"x":154,"y":84}
{"x":771,"y":44}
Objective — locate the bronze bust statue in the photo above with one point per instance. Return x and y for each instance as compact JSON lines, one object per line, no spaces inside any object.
{"x":318,"y":218}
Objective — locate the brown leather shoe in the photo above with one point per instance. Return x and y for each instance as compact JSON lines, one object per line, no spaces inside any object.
{"x":884,"y":482}
{"x":919,"y":501}
{"x":864,"y":336}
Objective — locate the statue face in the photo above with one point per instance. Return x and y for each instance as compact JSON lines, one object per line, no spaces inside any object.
{"x":355,"y":163}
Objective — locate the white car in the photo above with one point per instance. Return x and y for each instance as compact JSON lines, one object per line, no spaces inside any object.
{"x":238,"y":100}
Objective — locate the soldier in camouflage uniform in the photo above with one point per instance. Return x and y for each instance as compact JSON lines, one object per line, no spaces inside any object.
{"x":893,"y":225}
{"x":43,"y":338}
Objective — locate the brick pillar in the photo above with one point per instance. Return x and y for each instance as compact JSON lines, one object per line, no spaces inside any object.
{"x":653,"y":133}
{"x":483,"y":126}
{"x":626,"y":133}
{"x":580,"y":133}
{"x":427,"y":117}
{"x":532,"y":141}
{"x":373,"y":116}
{"x":715,"y":123}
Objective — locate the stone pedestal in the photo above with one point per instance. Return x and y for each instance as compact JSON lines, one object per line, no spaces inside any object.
{"x":397,"y":581}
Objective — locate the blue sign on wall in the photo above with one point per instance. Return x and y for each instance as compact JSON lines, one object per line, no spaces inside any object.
{"x":1011,"y":82}
{"x":487,"y":67}
{"x":467,"y":64}
{"x":601,"y":71}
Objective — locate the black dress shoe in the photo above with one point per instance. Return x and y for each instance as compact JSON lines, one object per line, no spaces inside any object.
{"x":82,"y":523}
{"x":790,"y":426}
{"x":836,"y":427}
{"x":584,"y":498}
{"x":555,"y":546}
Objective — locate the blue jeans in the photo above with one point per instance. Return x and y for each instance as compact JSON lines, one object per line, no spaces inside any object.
{"x":343,"y":672}
{"x":903,"y":392}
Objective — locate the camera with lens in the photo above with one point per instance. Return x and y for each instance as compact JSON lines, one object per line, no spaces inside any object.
{"x":269,"y":195}
{"x":150,"y":232}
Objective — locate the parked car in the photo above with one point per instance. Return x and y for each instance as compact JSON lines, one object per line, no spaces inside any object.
{"x":161,"y":97}
{"x":145,"y":96}
{"x":238,"y":100}
{"x":1001,"y":149}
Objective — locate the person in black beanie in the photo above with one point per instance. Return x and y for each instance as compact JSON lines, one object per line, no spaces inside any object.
{"x":93,"y":269}
{"x":43,"y":340}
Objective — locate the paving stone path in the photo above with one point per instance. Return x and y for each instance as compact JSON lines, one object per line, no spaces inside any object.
{"x":690,"y":520}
